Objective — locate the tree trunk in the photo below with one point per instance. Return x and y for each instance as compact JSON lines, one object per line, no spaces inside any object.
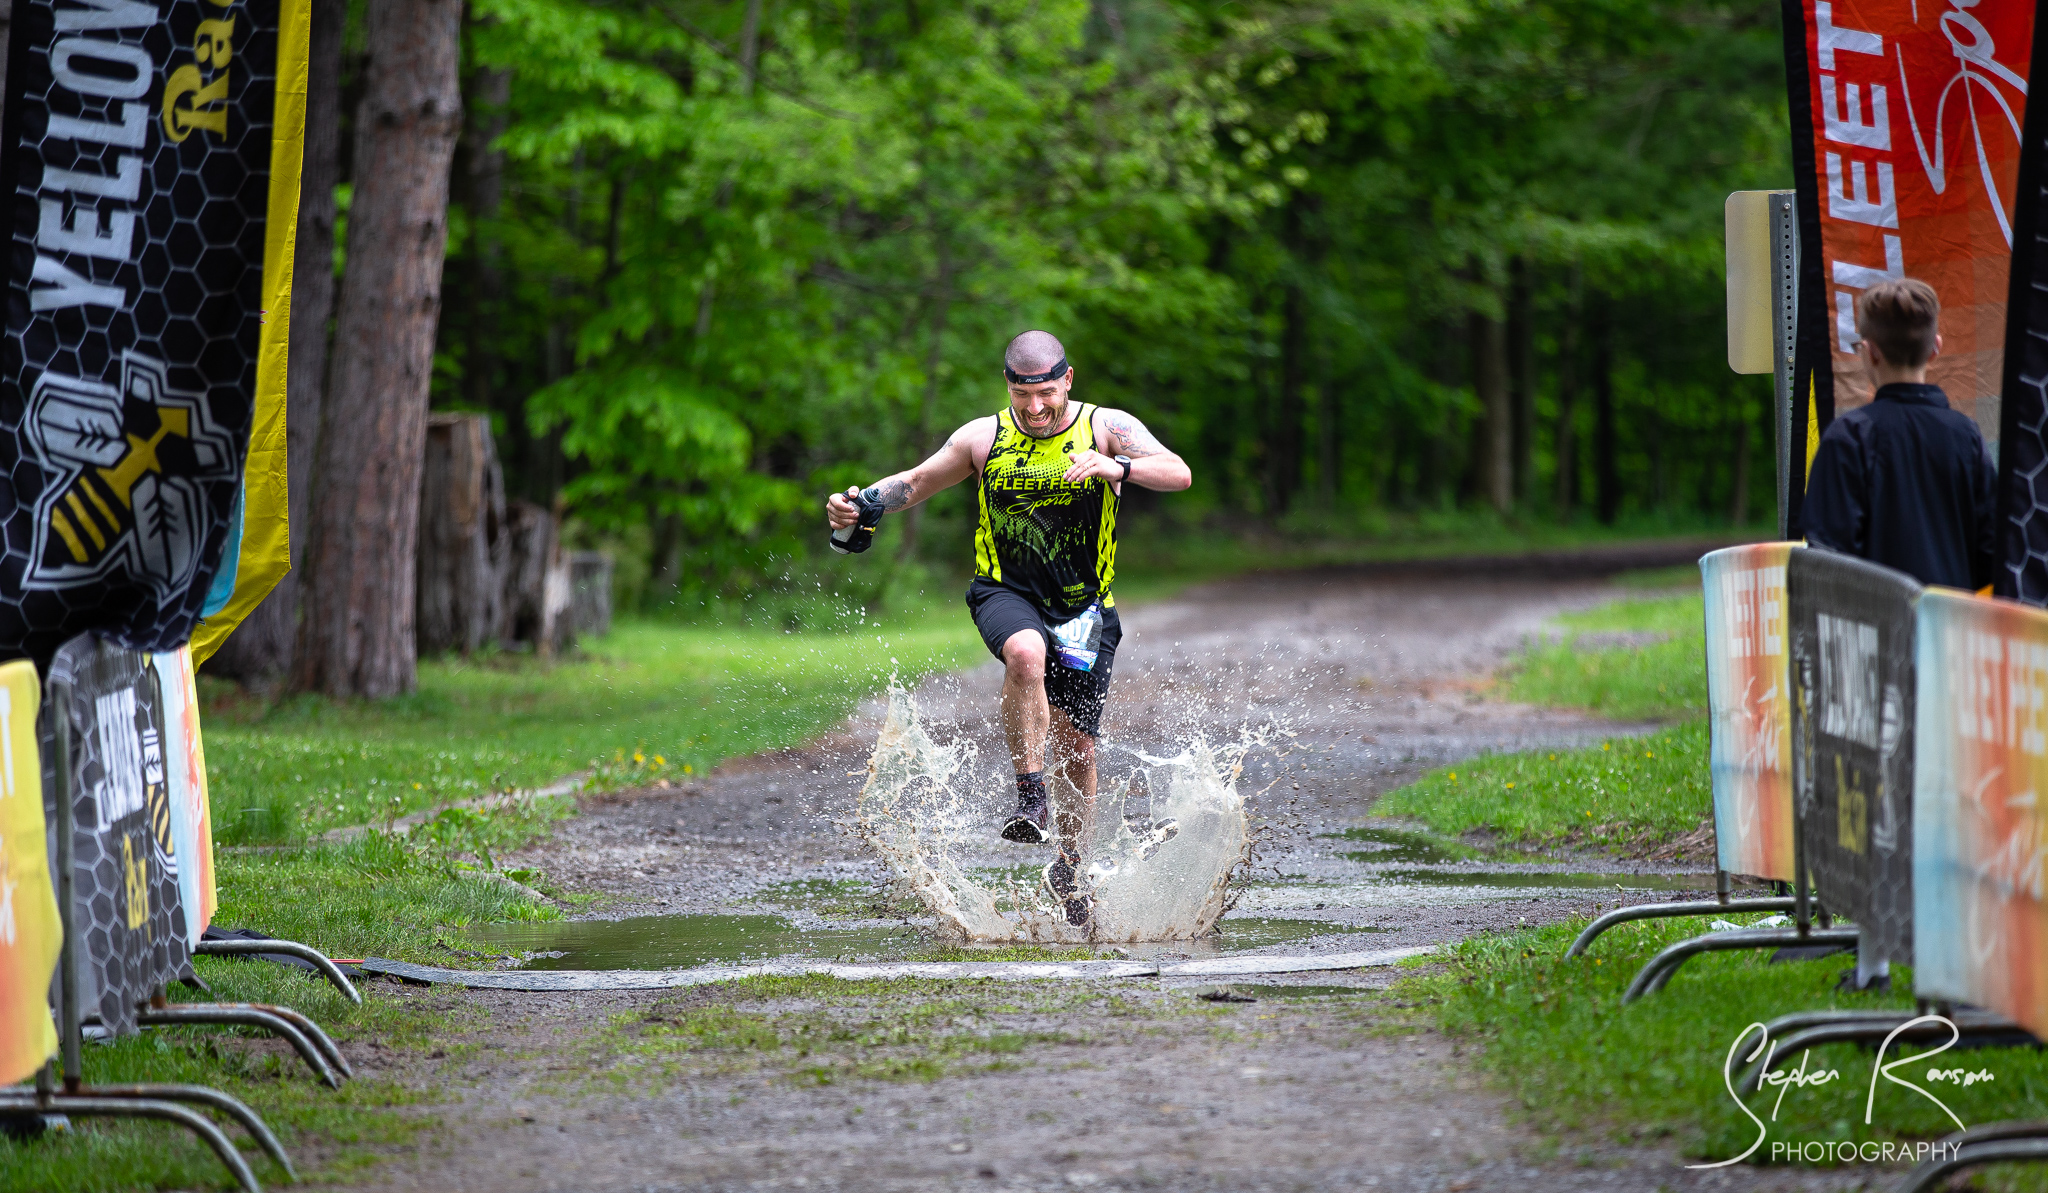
{"x":1490,"y":379}
{"x":1606,"y":474}
{"x":1522,"y":379}
{"x":357,"y":636}
{"x":261,"y":647}
{"x":1568,"y":401}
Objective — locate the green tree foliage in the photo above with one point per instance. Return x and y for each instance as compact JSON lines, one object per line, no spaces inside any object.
{"x":713,"y":259}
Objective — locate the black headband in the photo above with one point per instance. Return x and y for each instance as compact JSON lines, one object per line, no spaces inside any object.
{"x":1052,"y":374}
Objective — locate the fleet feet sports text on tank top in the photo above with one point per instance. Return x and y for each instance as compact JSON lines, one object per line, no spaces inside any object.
{"x":1052,"y":539}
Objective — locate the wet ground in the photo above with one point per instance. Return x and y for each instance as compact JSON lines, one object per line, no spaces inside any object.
{"x":1274,"y":1083}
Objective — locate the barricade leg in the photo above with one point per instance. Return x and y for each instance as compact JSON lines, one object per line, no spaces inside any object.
{"x":205,"y":1095}
{"x":244,"y":1015}
{"x":1658,"y":911}
{"x":1658,"y":971}
{"x":1993,"y":1143}
{"x":291,"y":948}
{"x":86,"y":1106}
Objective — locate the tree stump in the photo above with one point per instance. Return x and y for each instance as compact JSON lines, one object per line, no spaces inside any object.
{"x":463,"y":545}
{"x":537,"y":586}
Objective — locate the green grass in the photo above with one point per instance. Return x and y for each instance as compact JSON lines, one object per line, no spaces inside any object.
{"x":330,"y":1134}
{"x":649,"y":701}
{"x":1578,"y":1063}
{"x":375,"y":897}
{"x":1653,"y":680}
{"x":1624,"y":791}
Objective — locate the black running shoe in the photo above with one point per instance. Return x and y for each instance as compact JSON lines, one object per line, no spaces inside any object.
{"x":1034,"y":813}
{"x":1062,"y":881}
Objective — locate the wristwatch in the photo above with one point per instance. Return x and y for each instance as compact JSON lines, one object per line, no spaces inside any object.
{"x":1126,"y":462}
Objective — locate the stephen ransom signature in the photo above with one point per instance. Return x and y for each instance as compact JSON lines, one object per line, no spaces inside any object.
{"x":1846,"y":1150}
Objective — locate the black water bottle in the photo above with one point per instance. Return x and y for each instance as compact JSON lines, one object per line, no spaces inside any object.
{"x":861,"y":535}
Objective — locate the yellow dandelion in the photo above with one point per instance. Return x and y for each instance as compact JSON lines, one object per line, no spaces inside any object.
{"x":638,"y":757}
{"x":1605,"y":746}
{"x":1511,"y":787}
{"x":660,"y":761}
{"x":687,"y":768}
{"x":415,"y":786}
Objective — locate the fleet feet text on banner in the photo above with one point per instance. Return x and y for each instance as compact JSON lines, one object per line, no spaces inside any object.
{"x":1914,"y":109}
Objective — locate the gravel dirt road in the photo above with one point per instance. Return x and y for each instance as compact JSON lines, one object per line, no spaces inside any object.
{"x":1123,"y":1084}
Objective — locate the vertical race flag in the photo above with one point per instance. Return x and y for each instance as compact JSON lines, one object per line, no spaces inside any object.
{"x":1906,"y":143}
{"x":1980,"y":832}
{"x":30,"y":933}
{"x":2023,"y":438}
{"x":1750,"y":755}
{"x":152,"y":184}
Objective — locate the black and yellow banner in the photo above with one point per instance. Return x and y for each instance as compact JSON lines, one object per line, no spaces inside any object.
{"x":128,"y":909}
{"x":1853,"y":707}
{"x":153,"y":151}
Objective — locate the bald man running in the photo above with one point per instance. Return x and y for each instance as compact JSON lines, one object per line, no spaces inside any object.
{"x":1051,"y":472}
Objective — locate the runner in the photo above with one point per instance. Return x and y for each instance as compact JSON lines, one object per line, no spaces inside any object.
{"x":1051,"y":473}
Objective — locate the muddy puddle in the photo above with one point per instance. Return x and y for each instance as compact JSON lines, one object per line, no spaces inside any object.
{"x":1258,"y":992}
{"x":680,"y":941}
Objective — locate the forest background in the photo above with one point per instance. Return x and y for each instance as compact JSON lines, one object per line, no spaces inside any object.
{"x":1364,"y":263}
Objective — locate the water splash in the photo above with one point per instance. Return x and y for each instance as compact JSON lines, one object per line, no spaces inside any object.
{"x":1164,"y":875}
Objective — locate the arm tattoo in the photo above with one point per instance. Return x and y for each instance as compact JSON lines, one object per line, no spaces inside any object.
{"x":1130,"y":437}
{"x":895,"y":493}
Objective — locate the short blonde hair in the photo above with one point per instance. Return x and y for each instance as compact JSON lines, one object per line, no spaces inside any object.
{"x":1900,"y":317}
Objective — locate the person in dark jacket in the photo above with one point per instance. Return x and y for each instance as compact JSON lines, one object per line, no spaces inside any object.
{"x":1904,"y":481}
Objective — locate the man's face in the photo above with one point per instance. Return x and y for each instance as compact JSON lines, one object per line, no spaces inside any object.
{"x":1041,"y":409}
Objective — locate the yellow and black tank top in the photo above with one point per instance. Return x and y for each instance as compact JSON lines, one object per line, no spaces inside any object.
{"x":1050,"y":539}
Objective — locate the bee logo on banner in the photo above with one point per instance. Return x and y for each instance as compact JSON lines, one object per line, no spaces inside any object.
{"x":137,"y":149}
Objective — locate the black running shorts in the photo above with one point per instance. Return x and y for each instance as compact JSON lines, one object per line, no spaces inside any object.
{"x":1000,"y":612}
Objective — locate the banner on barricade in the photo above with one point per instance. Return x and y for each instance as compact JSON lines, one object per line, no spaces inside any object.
{"x":30,"y":933}
{"x":127,"y":910}
{"x":191,"y":812}
{"x":1907,"y":147}
{"x":1750,"y":706}
{"x":147,"y":315}
{"x":1852,"y":719}
{"x":1980,"y":832}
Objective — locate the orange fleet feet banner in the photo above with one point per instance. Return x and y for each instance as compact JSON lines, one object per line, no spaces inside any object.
{"x":30,"y":935}
{"x":1750,"y":755}
{"x":1906,"y":167}
{"x":1980,"y":834}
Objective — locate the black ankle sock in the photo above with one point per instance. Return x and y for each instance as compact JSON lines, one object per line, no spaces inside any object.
{"x":1031,"y":783}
